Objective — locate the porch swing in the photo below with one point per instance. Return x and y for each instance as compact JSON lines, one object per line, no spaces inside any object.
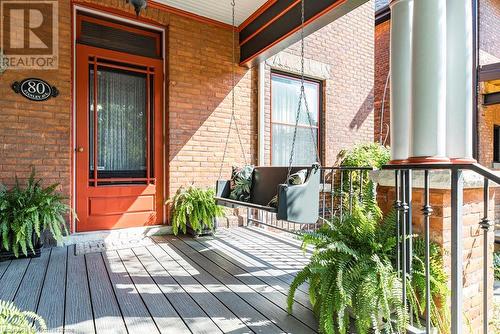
{"x":297,"y":203}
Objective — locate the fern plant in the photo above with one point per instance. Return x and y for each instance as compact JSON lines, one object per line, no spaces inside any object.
{"x":353,"y":268}
{"x":28,"y":211}
{"x":13,"y":320}
{"x":196,"y":207}
{"x":440,"y":317}
{"x":351,"y":274}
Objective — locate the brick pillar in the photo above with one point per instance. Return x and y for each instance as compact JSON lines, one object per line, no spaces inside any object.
{"x":440,"y":232}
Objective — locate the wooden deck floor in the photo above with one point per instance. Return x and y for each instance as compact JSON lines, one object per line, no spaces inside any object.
{"x":236,"y":282}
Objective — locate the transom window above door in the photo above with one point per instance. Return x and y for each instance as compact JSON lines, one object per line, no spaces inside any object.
{"x":285,"y":93}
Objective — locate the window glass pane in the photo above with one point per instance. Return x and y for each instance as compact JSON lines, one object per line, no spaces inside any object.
{"x":285,"y":93}
{"x":121,"y":123}
{"x":285,"y":98}
{"x":282,"y":145}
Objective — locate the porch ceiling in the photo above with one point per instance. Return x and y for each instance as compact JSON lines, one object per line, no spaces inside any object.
{"x":216,"y":9}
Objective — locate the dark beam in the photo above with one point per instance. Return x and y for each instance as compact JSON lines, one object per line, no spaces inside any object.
{"x":489,"y":72}
{"x":278,"y":26}
{"x":491,"y":99}
{"x":382,"y":15}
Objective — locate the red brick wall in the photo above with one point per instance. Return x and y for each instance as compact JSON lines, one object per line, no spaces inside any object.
{"x":382,"y":58}
{"x":489,"y":116}
{"x":489,"y":34}
{"x":38,"y":133}
{"x":198,"y":94}
{"x":199,"y":86}
{"x":348,"y":89}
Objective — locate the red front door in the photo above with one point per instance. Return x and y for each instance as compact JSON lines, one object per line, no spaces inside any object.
{"x":119,"y":159}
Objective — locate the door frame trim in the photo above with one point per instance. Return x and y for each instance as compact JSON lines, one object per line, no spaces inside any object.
{"x":108,"y":15}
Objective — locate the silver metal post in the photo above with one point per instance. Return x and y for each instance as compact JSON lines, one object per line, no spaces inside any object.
{"x":397,"y":208}
{"x":249,"y":217}
{"x":323,"y":194}
{"x":485,"y":226}
{"x":409,"y":229}
{"x":332,"y":193}
{"x":404,"y":234}
{"x":427,"y":211}
{"x":456,"y":251}
{"x":361,"y":186}
{"x":341,"y":194}
{"x":350,"y":192}
{"x":409,"y":226}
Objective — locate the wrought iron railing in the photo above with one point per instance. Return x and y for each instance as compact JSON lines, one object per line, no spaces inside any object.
{"x":403,"y":205}
{"x":339,"y":188}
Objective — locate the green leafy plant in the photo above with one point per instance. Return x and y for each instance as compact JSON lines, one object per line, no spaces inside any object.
{"x":13,"y":320}
{"x":496,"y":265}
{"x":196,"y":207}
{"x":363,"y":155}
{"x":440,"y":317}
{"x":28,"y":211}
{"x":369,"y":154}
{"x":351,"y":274}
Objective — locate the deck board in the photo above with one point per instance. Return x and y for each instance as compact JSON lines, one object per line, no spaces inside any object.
{"x":78,"y":313}
{"x":51,"y":305}
{"x":3,"y":267}
{"x":107,"y":314}
{"x":11,"y":279}
{"x":29,"y":291}
{"x":135,"y":314}
{"x":235,"y":282}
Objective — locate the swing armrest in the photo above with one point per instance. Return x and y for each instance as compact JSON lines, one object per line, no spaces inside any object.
{"x":300,"y":203}
{"x":223,"y":188}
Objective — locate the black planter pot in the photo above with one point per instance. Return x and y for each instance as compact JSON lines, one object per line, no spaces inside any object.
{"x":204,"y":232}
{"x":9,"y":255}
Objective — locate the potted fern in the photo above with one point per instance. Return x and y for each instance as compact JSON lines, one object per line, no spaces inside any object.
{"x":353,"y":280}
{"x":194,"y":210}
{"x":25,"y":212}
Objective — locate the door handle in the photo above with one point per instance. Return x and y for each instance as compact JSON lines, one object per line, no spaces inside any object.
{"x":80,"y":149}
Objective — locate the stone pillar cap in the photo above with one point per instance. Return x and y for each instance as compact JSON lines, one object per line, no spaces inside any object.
{"x":439,"y":179}
{"x":394,"y":2}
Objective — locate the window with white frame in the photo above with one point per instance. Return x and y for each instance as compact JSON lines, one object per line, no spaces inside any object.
{"x":285,"y":92}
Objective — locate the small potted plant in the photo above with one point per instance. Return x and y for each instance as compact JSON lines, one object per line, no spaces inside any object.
{"x":25,"y":212}
{"x":194,"y":210}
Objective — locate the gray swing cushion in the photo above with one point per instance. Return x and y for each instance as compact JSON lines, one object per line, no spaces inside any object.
{"x":294,"y":180}
{"x":300,"y":203}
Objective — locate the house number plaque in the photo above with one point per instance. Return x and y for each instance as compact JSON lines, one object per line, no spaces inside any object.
{"x":35,"y":89}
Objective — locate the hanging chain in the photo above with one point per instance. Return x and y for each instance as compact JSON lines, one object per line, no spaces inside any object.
{"x":302,"y":95}
{"x":233,"y":108}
